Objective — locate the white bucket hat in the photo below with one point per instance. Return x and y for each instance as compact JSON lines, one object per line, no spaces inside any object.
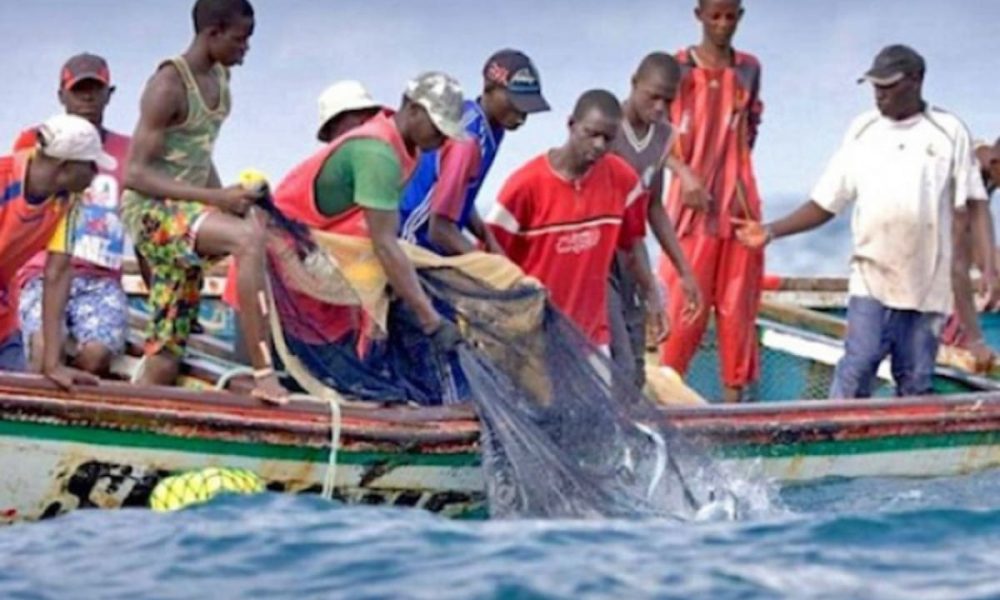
{"x":341,"y":97}
{"x":69,"y":137}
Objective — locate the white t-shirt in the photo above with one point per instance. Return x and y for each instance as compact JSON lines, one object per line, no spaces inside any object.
{"x":905,"y":178}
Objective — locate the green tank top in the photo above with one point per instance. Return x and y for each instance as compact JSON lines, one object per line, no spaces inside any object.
{"x":187,"y":148}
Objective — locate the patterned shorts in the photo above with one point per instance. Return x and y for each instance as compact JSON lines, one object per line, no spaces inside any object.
{"x":97,"y":311}
{"x":164,"y":232}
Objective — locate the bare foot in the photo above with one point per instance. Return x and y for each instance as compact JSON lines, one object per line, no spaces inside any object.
{"x":268,"y":389}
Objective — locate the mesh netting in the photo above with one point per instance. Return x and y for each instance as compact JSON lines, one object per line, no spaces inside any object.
{"x":783,"y":375}
{"x":563,"y":433}
{"x":196,"y":487}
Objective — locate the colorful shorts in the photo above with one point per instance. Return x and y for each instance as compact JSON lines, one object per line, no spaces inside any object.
{"x":164,"y":232}
{"x":97,"y":311}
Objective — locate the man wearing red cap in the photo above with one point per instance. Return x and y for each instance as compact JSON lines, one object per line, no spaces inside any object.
{"x":97,"y":309}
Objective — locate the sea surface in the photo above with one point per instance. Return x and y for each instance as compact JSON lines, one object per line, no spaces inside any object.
{"x":839,"y":539}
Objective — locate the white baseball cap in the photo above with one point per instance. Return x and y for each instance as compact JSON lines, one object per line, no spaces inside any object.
{"x":341,"y":97}
{"x":69,"y":137}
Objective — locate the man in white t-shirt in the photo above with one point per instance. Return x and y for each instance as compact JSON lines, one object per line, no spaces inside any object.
{"x":906,"y":167}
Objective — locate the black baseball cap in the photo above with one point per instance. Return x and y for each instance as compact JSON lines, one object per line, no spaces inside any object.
{"x":514,"y":71}
{"x":892,"y":64}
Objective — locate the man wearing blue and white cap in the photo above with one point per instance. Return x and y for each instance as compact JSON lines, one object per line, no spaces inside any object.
{"x":438,"y":205}
{"x":39,"y":186}
{"x":908,"y":168}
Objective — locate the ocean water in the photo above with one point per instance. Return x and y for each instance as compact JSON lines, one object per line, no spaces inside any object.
{"x":840,"y":539}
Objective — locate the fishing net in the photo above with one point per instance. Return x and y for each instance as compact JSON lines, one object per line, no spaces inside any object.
{"x":563,"y":434}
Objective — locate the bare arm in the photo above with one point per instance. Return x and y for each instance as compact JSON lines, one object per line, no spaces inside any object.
{"x":804,"y":218}
{"x":693,"y":193}
{"x":664,"y":233}
{"x":458,"y":162}
{"x":383,"y":224}
{"x":981,"y":222}
{"x":163,"y":105}
{"x":55,"y":294}
{"x":445,"y":234}
{"x":808,"y":216}
{"x":479,"y":229}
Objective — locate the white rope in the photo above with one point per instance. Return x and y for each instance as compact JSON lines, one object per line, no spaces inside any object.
{"x":226,"y":377}
{"x":330,"y":480}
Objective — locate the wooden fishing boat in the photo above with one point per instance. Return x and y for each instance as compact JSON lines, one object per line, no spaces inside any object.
{"x":107,"y":447}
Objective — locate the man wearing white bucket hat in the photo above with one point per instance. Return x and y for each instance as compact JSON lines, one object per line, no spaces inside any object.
{"x":342,"y":107}
{"x":39,"y":187}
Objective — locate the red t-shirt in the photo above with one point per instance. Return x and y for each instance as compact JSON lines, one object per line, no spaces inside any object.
{"x":565,"y":233}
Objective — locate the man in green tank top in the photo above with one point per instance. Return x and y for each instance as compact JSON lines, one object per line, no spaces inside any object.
{"x":175,"y":207}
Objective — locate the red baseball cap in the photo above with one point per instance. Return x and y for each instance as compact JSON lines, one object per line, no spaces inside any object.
{"x":84,"y":66}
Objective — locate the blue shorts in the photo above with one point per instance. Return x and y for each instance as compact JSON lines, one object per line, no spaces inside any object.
{"x":12,"y":356}
{"x":97,"y":311}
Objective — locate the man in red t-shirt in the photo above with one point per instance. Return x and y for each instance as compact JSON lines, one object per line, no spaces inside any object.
{"x":561,"y":216}
{"x":94,"y":239}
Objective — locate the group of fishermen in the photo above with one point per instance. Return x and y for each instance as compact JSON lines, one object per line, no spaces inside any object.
{"x":575,"y":217}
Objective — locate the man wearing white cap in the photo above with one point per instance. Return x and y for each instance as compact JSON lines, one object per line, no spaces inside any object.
{"x":342,"y":107}
{"x":352,"y":186}
{"x":39,"y":186}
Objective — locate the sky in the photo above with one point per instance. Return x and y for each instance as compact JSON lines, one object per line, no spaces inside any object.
{"x":812,"y":52}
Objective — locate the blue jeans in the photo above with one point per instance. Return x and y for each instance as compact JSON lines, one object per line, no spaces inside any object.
{"x":874,"y":331}
{"x":12,"y":356}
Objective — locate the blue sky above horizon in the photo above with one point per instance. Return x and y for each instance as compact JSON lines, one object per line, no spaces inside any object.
{"x":812,"y":52}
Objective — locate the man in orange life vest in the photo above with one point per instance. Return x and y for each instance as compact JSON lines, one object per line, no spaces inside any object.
{"x":37,"y":189}
{"x":353,"y":186}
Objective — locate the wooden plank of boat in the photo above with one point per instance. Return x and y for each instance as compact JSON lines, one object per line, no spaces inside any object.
{"x":835,"y":327}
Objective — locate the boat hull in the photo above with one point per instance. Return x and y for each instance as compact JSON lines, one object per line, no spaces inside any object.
{"x":109,"y":447}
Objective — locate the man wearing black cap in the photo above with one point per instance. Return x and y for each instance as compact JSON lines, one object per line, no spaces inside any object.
{"x":97,"y":309}
{"x":906,"y":167}
{"x":439,"y":202}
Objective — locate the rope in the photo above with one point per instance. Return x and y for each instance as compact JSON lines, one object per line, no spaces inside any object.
{"x":330,"y":480}
{"x":226,"y":377}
